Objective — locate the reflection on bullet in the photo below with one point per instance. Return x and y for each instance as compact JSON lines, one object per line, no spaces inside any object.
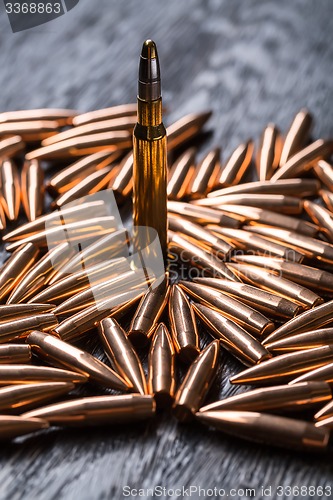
{"x":327,"y":198}
{"x":15,"y":268}
{"x":32,"y":189}
{"x":285,"y":367}
{"x":325,"y":412}
{"x":15,"y":353}
{"x":28,"y":374}
{"x":122,"y":354}
{"x":61,"y":116}
{"x":186,"y":128}
{"x":321,"y":217}
{"x":232,"y":336}
{"x":10,"y":312}
{"x":237,"y":165}
{"x":63,"y":355}
{"x":3,"y":221}
{"x":267,"y":429}
{"x":307,"y":340}
{"x":277,"y":398}
{"x":204,"y":175}
{"x":326,"y":423}
{"x":297,"y":135}
{"x":148,"y":312}
{"x":10,"y":190}
{"x":113,"y":112}
{"x":161,"y":371}
{"x":197,"y":382}
{"x":324,"y":172}
{"x":98,"y":410}
{"x":281,"y":286}
{"x":266,"y":302}
{"x":12,"y":427}
{"x":183,"y":326}
{"x":202,"y":215}
{"x":179,"y":175}
{"x":304,"y":159}
{"x":10,"y":146}
{"x":17,"y":328}
{"x":268,"y":155}
{"x":250,"y":319}
{"x":30,"y":131}
{"x":122,"y":183}
{"x":323,"y":373}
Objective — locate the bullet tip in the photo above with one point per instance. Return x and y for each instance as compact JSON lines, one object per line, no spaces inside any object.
{"x":149,"y":50}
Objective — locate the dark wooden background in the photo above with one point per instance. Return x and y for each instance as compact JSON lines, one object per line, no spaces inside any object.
{"x":251,"y":62}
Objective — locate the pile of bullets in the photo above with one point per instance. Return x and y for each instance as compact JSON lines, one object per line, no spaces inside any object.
{"x":257,"y":258}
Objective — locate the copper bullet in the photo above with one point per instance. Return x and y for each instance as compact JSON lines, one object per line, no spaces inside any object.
{"x":237,"y":165}
{"x":183,"y":326}
{"x":198,"y":256}
{"x":197,"y":382}
{"x":186,"y":128}
{"x":113,"y":112}
{"x":179,"y":175}
{"x":249,"y":241}
{"x":202,"y":215}
{"x":15,"y":353}
{"x":277,"y":398}
{"x":268,"y":155}
{"x":10,"y":189}
{"x":98,"y":410}
{"x":12,"y":427}
{"x":30,"y":131}
{"x":121,"y":354}
{"x":307,"y":340}
{"x":325,"y":412}
{"x":326,"y":423}
{"x":304,"y":159}
{"x":3,"y":221}
{"x":297,"y":135}
{"x":40,"y":274}
{"x":322,"y":373}
{"x":83,"y":145}
{"x":18,"y":328}
{"x":266,"y":302}
{"x":161,"y":367}
{"x":267,"y":429}
{"x":61,"y":116}
{"x":232,"y":336}
{"x":16,"y":267}
{"x":10,"y":146}
{"x":203,"y":177}
{"x":324,"y":172}
{"x":321,"y":217}
{"x":285,"y":367}
{"x":9,"y":312}
{"x":23,"y":397}
{"x":275,"y":202}
{"x":32,"y":187}
{"x":122,"y":183}
{"x":148,"y":312}
{"x":268,"y":281}
{"x":28,"y":374}
{"x":250,"y":319}
{"x":327,"y":198}
{"x":63,"y":355}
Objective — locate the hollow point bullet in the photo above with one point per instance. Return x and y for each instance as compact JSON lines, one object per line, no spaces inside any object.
{"x":237,"y":165}
{"x":10,"y":146}
{"x":61,"y":116}
{"x":179,"y":175}
{"x":15,"y":268}
{"x":297,"y":135}
{"x":268,"y":155}
{"x":121,"y":354}
{"x":12,"y":427}
{"x":15,"y":353}
{"x":28,"y":374}
{"x":186,"y":128}
{"x":183,"y":326}
{"x":300,"y":341}
{"x":197,"y":382}
{"x":10,"y":330}
{"x":32,"y":188}
{"x":113,"y":112}
{"x":203,"y":177}
{"x":323,"y":373}
{"x":10,"y":189}
{"x":202,"y":215}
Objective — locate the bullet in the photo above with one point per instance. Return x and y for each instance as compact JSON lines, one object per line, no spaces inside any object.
{"x":9,"y":312}
{"x":321,"y":217}
{"x":197,"y":382}
{"x":108,"y":247}
{"x":40,"y":274}
{"x":10,"y":146}
{"x":207,"y":239}
{"x":149,"y":153}
{"x":285,"y":367}
{"x":15,"y":353}
{"x":180,"y":174}
{"x":198,"y":256}
{"x":122,"y":355}
{"x":16,"y":267}
{"x":18,"y":328}
{"x":237,"y":165}
{"x":68,"y":177}
{"x":249,"y":241}
{"x":268,"y":154}
{"x":267,"y":429}
{"x":186,"y":128}
{"x":250,"y":319}
{"x":28,"y":374}
{"x":233,"y":337}
{"x":281,"y":286}
{"x":183,"y":326}
{"x":324,"y":172}
{"x":202,"y":215}
{"x":278,"y":398}
{"x":297,"y":135}
{"x":98,"y":410}
{"x":293,"y":187}
{"x":81,"y":146}
{"x":148,"y":312}
{"x":325,"y":412}
{"x":10,"y":189}
{"x":63,"y":355}
{"x":32,"y":188}
{"x":122,"y":183}
{"x":327,"y":198}
{"x":3,"y":221}
{"x":323,"y":373}
{"x":105,"y":114}
{"x":30,"y":131}
{"x":23,"y":397}
{"x":61,"y":116}
{"x":204,"y":175}
{"x":326,"y":423}
{"x":307,"y":340}
{"x":303,"y":160}
{"x":266,"y":302}
{"x":161,"y":368}
{"x":12,"y":427}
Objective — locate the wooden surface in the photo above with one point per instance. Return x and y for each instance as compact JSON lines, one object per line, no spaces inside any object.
{"x":251,"y":62}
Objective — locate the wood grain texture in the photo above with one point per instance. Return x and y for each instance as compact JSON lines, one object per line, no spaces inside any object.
{"x":251,"y":62}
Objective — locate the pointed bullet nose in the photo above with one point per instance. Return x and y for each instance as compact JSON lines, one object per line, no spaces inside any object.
{"x":149,"y":84}
{"x":149,"y":50}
